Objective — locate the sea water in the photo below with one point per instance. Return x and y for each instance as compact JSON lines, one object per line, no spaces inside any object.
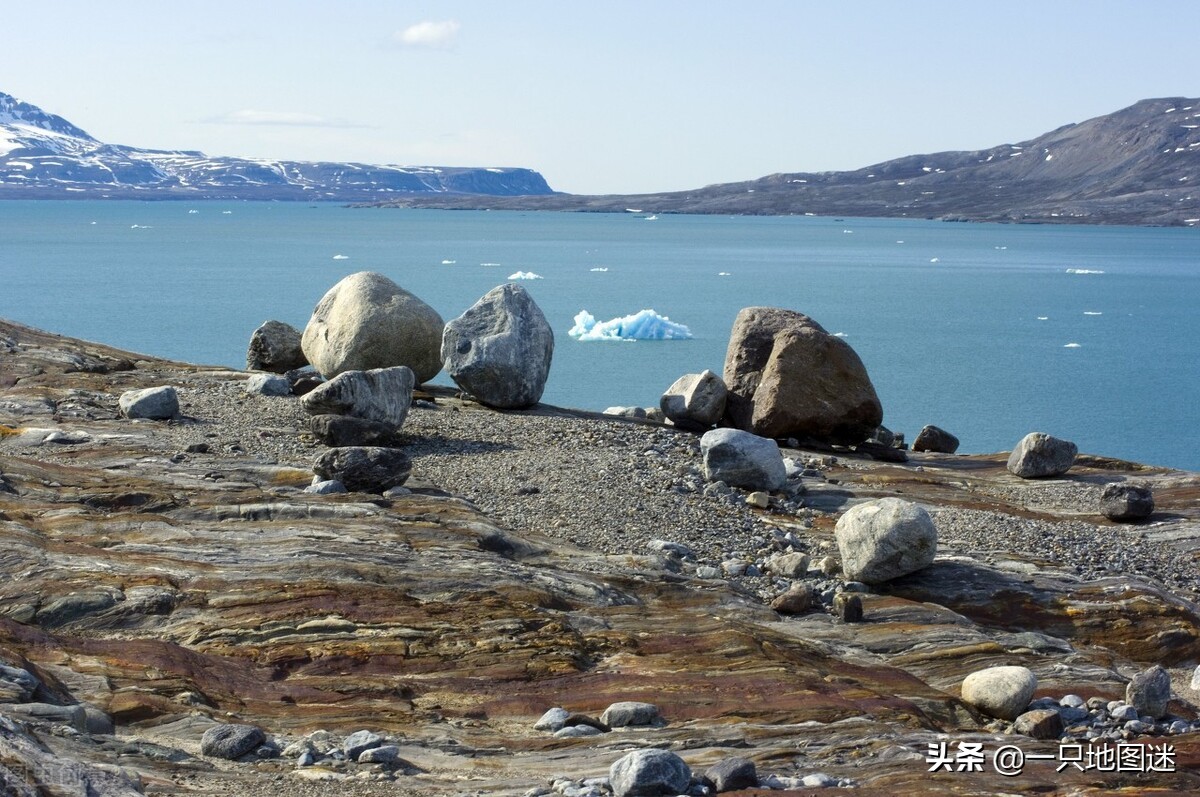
{"x":989,"y":331}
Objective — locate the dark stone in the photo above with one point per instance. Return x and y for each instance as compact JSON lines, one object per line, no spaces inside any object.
{"x":583,"y":719}
{"x":796,"y":600}
{"x":1042,"y":723}
{"x":731,"y":774}
{"x":345,"y":430}
{"x":275,"y":347}
{"x":1125,"y":502}
{"x":1149,"y":692}
{"x":882,"y":453}
{"x":848,"y":607}
{"x":368,"y":469}
{"x":231,"y":741}
{"x":935,"y":440}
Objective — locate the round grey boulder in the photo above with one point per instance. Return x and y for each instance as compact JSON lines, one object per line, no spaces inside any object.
{"x":367,"y":469}
{"x":499,"y":350}
{"x":695,"y":402}
{"x":742,"y":459}
{"x":155,"y":403}
{"x":885,"y":539}
{"x":1039,"y":455}
{"x":1126,"y":502}
{"x":732,"y":774}
{"x":268,"y":385}
{"x":367,"y":321}
{"x":231,"y":741}
{"x":936,"y":440}
{"x":649,"y":772}
{"x":630,"y":713}
{"x":275,"y":347}
{"x":1150,"y":692}
{"x":1001,"y":692}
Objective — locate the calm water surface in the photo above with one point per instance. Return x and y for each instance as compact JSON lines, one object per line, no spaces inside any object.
{"x":961,"y":325}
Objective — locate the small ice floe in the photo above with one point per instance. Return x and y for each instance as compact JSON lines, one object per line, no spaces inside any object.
{"x":633,"y":210}
{"x":1043,"y":318}
{"x":652,"y":218}
{"x":1092,"y":312}
{"x":840,"y":335}
{"x":191,"y":212}
{"x":1084,"y":271}
{"x":1072,"y":346}
{"x":449,"y":262}
{"x":139,"y":227}
{"x":226,"y":212}
{"x":642,"y":325}
{"x":524,"y":275}
{"x":847,"y":232}
{"x":724,"y":274}
{"x":1000,"y":248}
{"x":341,"y":257}
{"x":933,"y":260}
{"x":489,"y":264}
{"x":598,"y":268}
{"x":93,"y":222}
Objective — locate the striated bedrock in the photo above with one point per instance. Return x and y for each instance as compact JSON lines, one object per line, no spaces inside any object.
{"x":172,"y":581}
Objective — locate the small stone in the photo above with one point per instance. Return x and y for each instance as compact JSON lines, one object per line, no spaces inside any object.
{"x":848,"y":607}
{"x":1073,"y":701}
{"x":344,"y":430}
{"x":1039,"y":455}
{"x":155,"y":403}
{"x":935,"y":440}
{"x":1150,"y":691}
{"x":1138,"y":726}
{"x":630,"y":713}
{"x":734,"y":567}
{"x":1196,"y":680}
{"x":1002,"y":692}
{"x":268,"y":385}
{"x":385,"y":754}
{"x":1126,"y":502}
{"x":796,"y":600}
{"x":884,"y":539}
{"x":1179,"y":726}
{"x":830,"y":566}
{"x":707,"y":571}
{"x":673,"y":549}
{"x":788,"y":565}
{"x":1123,"y":713}
{"x":732,"y":774}
{"x":231,"y":741}
{"x":742,"y":459}
{"x":695,"y":402}
{"x":649,"y":772}
{"x":369,"y":469}
{"x":1042,"y":723}
{"x":275,"y":346}
{"x":325,"y":487}
{"x":818,"y":780}
{"x":360,"y":741}
{"x":759,"y":499}
{"x":578,"y":718}
{"x":575,"y":731}
{"x":552,"y":720}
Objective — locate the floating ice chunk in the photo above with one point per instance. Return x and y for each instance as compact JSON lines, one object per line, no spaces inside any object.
{"x":341,"y":257}
{"x":642,"y":325}
{"x":840,"y":335}
{"x":489,"y":264}
{"x":1072,"y":346}
{"x":899,"y":242}
{"x":652,"y":218}
{"x":933,"y":260}
{"x":193,"y":211}
{"x":1092,"y":312}
{"x":226,"y":212}
{"x":1043,"y":318}
{"x":524,"y":275}
{"x":599,"y":268}
{"x":139,"y":226}
{"x":847,"y":232}
{"x":724,"y":274}
{"x":449,"y":262}
{"x":1084,"y":271}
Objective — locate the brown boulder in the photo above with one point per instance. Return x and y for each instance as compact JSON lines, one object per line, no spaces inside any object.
{"x":788,"y":377}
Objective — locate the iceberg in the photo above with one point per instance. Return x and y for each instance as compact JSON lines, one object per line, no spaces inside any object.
{"x":642,"y":325}
{"x":524,"y":275}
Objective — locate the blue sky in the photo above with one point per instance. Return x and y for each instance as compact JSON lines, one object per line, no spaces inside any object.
{"x":600,"y":97}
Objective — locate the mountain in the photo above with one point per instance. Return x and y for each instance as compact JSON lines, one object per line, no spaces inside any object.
{"x":43,"y":156}
{"x":1140,"y":165}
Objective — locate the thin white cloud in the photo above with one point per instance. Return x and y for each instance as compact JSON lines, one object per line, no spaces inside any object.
{"x":428,"y":33}
{"x":249,"y":116}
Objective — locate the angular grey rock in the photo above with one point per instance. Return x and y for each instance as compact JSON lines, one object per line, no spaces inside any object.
{"x":552,"y":720}
{"x":359,"y":742}
{"x":885,"y":539}
{"x":788,"y":377}
{"x":156,"y":403}
{"x":1125,"y":502}
{"x":695,"y":402}
{"x":788,"y":565}
{"x":630,"y":713}
{"x":742,"y":459}
{"x":382,"y":394}
{"x":17,"y":685}
{"x":343,"y":430}
{"x":936,"y":440}
{"x":1042,"y":723}
{"x":797,"y":600}
{"x":499,"y":350}
{"x":649,"y":772}
{"x":732,"y":774}
{"x":1149,"y":692}
{"x":673,"y":549}
{"x":367,"y":321}
{"x":848,"y":607}
{"x":75,"y":715}
{"x":96,"y":720}
{"x":1039,"y":455}
{"x":268,"y":385}
{"x":626,"y":412}
{"x":326,"y":487}
{"x":275,"y":347}
{"x":368,"y":469}
{"x":386,"y":754}
{"x":230,"y":741}
{"x":577,"y":731}
{"x":1002,"y":692}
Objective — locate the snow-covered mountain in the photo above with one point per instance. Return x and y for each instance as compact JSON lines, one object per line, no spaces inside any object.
{"x":44,"y":156}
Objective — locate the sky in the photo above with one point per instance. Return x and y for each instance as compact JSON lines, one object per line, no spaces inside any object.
{"x":600,"y":97}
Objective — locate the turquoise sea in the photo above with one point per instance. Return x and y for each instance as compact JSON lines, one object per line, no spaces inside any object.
{"x":990,"y":331}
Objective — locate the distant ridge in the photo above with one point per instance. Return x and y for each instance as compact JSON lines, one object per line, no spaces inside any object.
{"x":43,"y":156}
{"x":1139,"y":165}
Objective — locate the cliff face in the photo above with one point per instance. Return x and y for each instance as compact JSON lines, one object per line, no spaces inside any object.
{"x":173,"y":575}
{"x":1139,"y":165}
{"x":43,"y":156}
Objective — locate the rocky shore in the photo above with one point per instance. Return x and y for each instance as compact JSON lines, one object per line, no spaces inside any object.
{"x":167,"y":582}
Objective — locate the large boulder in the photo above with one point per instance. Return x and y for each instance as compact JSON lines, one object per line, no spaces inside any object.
{"x":1001,"y":692}
{"x":231,"y":741}
{"x":499,"y":350}
{"x":342,"y":430}
{"x":155,"y":403}
{"x":649,"y":772}
{"x":936,"y":440}
{"x":885,"y":539}
{"x":381,"y":394}
{"x":1039,"y":455}
{"x":695,"y":402}
{"x":367,"y":469}
{"x":1149,"y":692}
{"x":1124,"y":502}
{"x":367,"y":321}
{"x":275,"y":347}
{"x":742,"y":459}
{"x":788,"y":377}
